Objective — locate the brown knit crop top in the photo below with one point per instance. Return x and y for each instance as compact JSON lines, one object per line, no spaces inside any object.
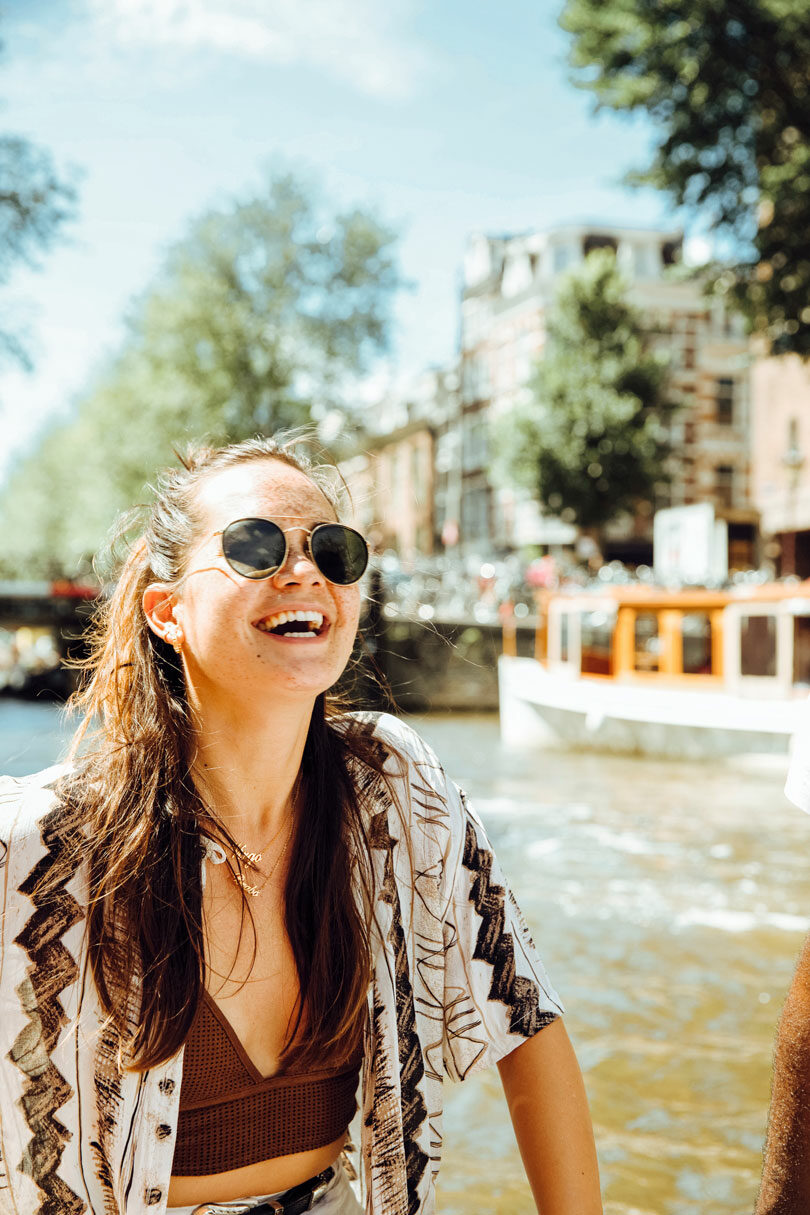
{"x":232,"y":1116}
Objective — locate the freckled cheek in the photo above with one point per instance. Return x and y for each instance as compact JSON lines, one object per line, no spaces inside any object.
{"x":350,"y":613}
{"x":213,"y":627}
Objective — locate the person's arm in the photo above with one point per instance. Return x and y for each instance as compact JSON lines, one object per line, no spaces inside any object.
{"x":785,"y":1188}
{"x":549,"y":1111}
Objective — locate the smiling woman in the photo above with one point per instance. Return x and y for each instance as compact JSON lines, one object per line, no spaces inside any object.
{"x":237,"y":897}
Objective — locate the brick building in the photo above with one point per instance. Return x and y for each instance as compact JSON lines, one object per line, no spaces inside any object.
{"x":403,"y":474}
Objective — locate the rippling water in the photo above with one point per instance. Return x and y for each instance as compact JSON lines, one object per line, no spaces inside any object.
{"x":669,"y":902}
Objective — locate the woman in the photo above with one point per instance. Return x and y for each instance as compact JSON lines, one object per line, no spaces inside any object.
{"x":237,"y":896}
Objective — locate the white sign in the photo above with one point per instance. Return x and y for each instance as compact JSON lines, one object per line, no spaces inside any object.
{"x":690,"y":546}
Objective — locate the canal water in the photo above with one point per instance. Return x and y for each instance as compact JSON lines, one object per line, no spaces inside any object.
{"x":669,"y":902}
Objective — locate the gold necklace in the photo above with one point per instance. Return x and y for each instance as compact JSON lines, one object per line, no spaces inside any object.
{"x":254,"y":859}
{"x":245,"y":885}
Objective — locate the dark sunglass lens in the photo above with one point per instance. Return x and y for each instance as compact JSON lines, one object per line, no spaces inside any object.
{"x":339,"y":552}
{"x":253,"y":547}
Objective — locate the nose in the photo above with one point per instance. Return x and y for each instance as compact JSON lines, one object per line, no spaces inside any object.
{"x":298,"y":565}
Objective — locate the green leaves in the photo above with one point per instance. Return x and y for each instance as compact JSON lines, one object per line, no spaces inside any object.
{"x":34,"y":204}
{"x":594,"y":441}
{"x":725,"y":84}
{"x":257,"y":320}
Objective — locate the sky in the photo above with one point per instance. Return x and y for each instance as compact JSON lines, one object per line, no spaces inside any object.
{"x":447,"y":117}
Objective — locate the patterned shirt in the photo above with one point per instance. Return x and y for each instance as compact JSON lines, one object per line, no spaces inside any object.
{"x":456,"y":985}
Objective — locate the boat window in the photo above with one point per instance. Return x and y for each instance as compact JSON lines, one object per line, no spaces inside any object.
{"x":597,"y":643}
{"x":647,"y":642}
{"x":758,"y":646}
{"x":565,"y":634}
{"x":696,"y":630}
{"x":801,"y":650}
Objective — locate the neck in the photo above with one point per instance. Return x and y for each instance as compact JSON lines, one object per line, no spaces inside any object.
{"x":247,"y":763}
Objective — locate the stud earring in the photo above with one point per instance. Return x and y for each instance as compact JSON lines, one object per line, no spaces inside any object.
{"x":174,"y":636}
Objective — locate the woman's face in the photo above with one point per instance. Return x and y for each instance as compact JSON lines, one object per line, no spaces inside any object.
{"x":226,"y":618}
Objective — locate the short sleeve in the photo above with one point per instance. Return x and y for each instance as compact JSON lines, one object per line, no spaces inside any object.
{"x":496,"y":991}
{"x":797,"y":788}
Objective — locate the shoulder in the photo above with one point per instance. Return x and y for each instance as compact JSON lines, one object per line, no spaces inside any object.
{"x":416,"y":793}
{"x":24,"y":802}
{"x":409,"y":756}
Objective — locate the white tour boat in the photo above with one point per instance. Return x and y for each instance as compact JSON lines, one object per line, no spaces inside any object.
{"x":640,"y":670}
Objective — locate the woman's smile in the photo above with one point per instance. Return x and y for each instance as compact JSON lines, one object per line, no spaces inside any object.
{"x":294,"y":624}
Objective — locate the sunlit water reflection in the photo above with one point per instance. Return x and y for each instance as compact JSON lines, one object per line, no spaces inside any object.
{"x":669,"y":902}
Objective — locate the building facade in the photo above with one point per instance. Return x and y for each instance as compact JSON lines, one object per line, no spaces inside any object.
{"x":509,"y":289}
{"x":403,"y":476}
{"x":780,"y":390}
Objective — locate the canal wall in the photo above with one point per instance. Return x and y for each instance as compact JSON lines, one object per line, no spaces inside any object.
{"x":419,"y":666}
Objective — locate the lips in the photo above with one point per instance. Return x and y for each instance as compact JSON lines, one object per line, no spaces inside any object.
{"x":301,"y":623}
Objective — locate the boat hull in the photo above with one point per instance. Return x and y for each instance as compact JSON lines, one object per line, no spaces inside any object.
{"x":539,"y":708}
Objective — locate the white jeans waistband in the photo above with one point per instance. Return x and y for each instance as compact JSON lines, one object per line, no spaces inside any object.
{"x":338,"y":1198}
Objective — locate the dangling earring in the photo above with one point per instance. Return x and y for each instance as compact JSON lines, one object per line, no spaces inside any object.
{"x":174,"y":636}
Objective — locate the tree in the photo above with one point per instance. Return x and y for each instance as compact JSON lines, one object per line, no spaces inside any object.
{"x":34,"y":204}
{"x":593,"y":441}
{"x":725,"y":84}
{"x":257,"y":321}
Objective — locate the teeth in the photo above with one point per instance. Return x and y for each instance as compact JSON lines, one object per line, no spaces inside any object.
{"x":314,"y":619}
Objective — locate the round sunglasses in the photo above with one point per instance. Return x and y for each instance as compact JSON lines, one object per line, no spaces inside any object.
{"x":257,"y":548}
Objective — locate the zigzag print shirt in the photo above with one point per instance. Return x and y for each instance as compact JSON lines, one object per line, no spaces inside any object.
{"x":457,"y":984}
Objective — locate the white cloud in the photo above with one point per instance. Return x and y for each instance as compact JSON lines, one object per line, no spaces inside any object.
{"x":362,"y":42}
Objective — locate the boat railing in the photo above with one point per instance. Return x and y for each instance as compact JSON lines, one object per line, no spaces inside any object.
{"x":754,"y":644}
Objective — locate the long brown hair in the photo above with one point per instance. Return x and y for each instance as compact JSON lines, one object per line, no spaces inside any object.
{"x":130,"y":796}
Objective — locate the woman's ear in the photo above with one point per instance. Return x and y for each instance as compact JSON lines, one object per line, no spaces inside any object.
{"x":158,"y":607}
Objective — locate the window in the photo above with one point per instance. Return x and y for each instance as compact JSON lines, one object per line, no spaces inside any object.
{"x":670,"y":252}
{"x":470,"y":323}
{"x":417,"y":477}
{"x":475,"y":440}
{"x":597,"y":241}
{"x":793,"y":458}
{"x":475,"y":516}
{"x":596,"y":634}
{"x":696,"y":631}
{"x":647,"y":642}
{"x":724,"y":485}
{"x":758,"y":646}
{"x":801,"y":650}
{"x":724,"y":401}
{"x":793,"y":434}
{"x":475,"y":379}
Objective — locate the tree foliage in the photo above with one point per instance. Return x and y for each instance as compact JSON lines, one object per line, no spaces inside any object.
{"x":593,"y":441}
{"x":726,"y":85}
{"x":34,"y":204}
{"x":257,"y":321}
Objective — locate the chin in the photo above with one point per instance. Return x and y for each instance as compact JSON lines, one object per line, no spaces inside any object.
{"x":311,"y":688}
